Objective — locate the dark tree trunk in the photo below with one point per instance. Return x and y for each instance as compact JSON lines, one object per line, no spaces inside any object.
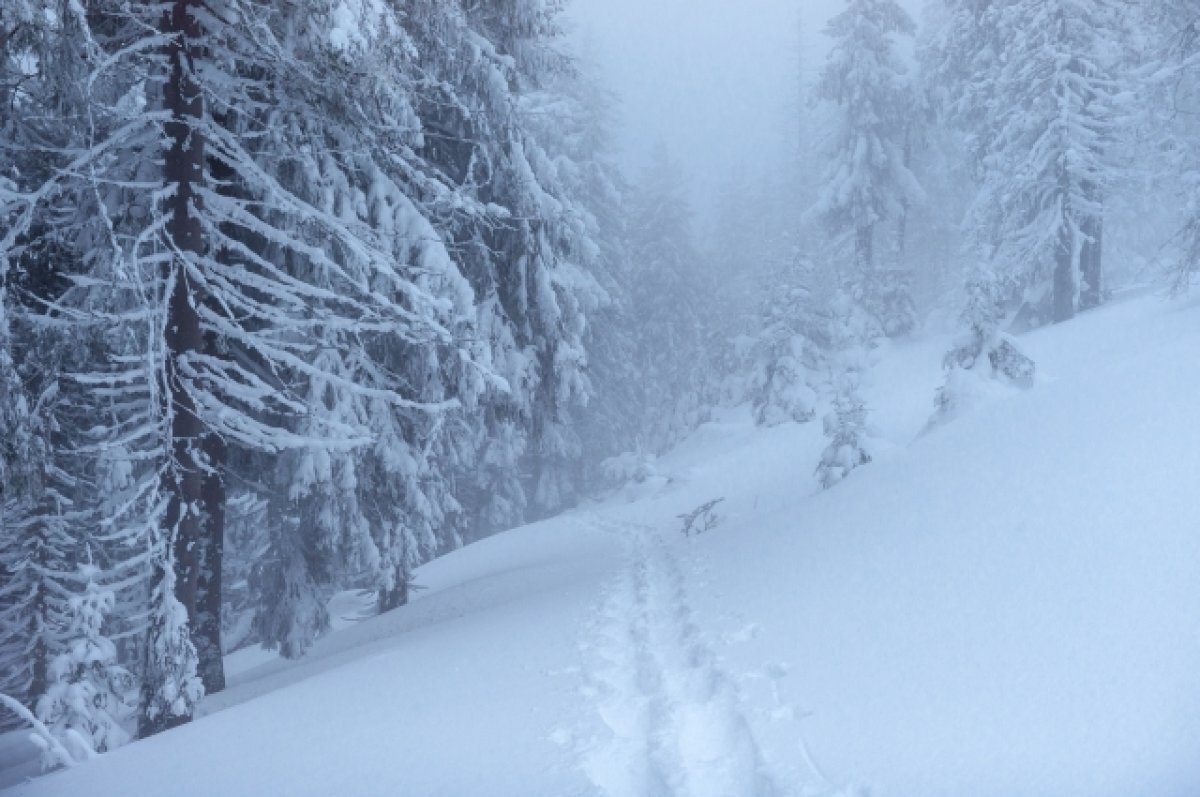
{"x":183,"y":170}
{"x":902,"y":220}
{"x":864,"y":248}
{"x":1064,"y":278}
{"x":206,"y":633}
{"x":39,"y":654}
{"x":1063,"y":285}
{"x":1091,"y":257}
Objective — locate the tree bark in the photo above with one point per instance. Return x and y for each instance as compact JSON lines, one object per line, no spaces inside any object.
{"x":1063,"y":284}
{"x":1091,"y":257}
{"x":206,"y":633}
{"x":864,"y":248}
{"x":1064,"y":277}
{"x":183,"y":170}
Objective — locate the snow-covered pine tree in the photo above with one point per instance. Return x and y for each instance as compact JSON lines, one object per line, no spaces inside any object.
{"x":269,"y":251}
{"x":572,"y":117}
{"x":1171,"y":75}
{"x":34,"y":547}
{"x":1032,"y":84}
{"x":71,"y":514}
{"x":14,"y":661}
{"x":26,"y":609}
{"x":246,"y":546}
{"x":753,"y":242}
{"x":513,"y":232}
{"x":846,"y":424}
{"x":334,"y":509}
{"x":667,"y":299}
{"x":241,"y":269}
{"x":868,"y":184}
{"x":87,"y":697}
{"x":741,"y":245}
{"x":35,"y":552}
{"x":789,"y":350}
{"x":13,"y":424}
{"x":548,"y":240}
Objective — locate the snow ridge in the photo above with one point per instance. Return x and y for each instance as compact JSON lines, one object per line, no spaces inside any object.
{"x":674,"y":724}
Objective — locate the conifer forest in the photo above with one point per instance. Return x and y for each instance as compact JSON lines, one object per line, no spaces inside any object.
{"x":632,"y":398}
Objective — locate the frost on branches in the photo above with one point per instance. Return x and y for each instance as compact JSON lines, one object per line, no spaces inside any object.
{"x":984,"y":358}
{"x":850,"y":336}
{"x":88,"y":695}
{"x":787,"y":353}
{"x":867,"y":184}
{"x":170,"y":687}
{"x":1035,"y":87}
{"x":845,"y":426}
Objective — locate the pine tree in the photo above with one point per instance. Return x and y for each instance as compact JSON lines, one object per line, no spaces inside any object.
{"x":1171,"y":76}
{"x":868,"y":183}
{"x":1032,"y":83}
{"x":88,"y":693}
{"x":849,"y":334}
{"x":36,"y":552}
{"x":790,"y":348}
{"x":514,"y":232}
{"x":572,"y":117}
{"x":668,"y":299}
{"x":37,"y":86}
{"x":331,"y":262}
{"x":258,"y":252}
{"x":845,"y":426}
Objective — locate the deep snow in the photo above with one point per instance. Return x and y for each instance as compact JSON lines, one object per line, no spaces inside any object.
{"x":1005,"y":605}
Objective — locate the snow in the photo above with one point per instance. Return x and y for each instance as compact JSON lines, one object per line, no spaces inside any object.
{"x":1004,"y":605}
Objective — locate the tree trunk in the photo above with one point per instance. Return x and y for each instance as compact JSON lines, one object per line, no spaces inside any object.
{"x":1064,"y":259}
{"x":1091,"y":257}
{"x":206,"y":633}
{"x":183,"y":169}
{"x":1064,"y":277}
{"x":902,"y":219}
{"x":864,"y":249}
{"x":39,"y":653}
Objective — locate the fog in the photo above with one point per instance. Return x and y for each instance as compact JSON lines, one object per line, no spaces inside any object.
{"x":374,"y":390}
{"x":716,"y":80}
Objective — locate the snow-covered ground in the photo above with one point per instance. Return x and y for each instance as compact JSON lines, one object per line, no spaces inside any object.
{"x":1006,"y":605}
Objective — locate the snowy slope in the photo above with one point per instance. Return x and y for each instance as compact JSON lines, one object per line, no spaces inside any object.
{"x":1007,"y":605}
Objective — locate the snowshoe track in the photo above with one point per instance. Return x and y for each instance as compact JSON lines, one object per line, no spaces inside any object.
{"x":675,"y":726}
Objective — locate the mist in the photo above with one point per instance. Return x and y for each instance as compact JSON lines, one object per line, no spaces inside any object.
{"x":599,"y":398}
{"x":720,"y":83}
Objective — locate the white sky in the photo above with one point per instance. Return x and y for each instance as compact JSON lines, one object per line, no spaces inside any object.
{"x":715,"y":79}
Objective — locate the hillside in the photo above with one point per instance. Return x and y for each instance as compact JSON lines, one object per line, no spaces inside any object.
{"x":1005,"y":605}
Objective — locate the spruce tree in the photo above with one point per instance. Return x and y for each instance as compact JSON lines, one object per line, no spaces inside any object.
{"x":867,"y":183}
{"x":668,"y":298}
{"x":1033,"y":85}
{"x":88,"y":695}
{"x":845,"y":425}
{"x":790,"y":349}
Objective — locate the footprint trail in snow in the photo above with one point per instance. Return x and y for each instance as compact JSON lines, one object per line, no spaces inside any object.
{"x":675,"y":728}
